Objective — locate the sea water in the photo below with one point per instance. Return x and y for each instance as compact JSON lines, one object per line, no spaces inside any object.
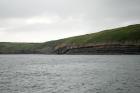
{"x":69,"y":73}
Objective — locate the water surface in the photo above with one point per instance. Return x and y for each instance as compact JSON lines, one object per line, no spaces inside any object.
{"x":69,"y":73}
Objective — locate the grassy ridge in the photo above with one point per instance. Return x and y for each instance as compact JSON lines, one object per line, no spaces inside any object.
{"x":121,"y":35}
{"x":124,"y":34}
{"x":6,"y":47}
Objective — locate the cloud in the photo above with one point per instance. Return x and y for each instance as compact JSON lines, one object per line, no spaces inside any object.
{"x":43,"y":20}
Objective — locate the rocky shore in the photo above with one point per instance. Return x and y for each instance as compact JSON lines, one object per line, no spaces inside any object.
{"x":100,"y":49}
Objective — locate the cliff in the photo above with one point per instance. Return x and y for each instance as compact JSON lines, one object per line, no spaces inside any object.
{"x":123,"y":40}
{"x":101,"y":49}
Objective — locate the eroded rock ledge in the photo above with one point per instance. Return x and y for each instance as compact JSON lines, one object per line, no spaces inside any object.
{"x":100,"y":49}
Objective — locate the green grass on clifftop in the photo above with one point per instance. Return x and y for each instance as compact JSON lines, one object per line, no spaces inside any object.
{"x":121,"y":35}
{"x":130,"y":33}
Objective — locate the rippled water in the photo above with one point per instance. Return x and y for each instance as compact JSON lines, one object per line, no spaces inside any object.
{"x":69,"y":74}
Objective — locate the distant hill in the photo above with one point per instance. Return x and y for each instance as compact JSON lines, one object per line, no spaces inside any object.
{"x":123,"y":40}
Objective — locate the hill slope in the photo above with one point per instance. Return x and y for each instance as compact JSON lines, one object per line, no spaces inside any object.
{"x":124,"y":38}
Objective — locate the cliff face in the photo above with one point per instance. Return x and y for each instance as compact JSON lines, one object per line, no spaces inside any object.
{"x":101,"y":49}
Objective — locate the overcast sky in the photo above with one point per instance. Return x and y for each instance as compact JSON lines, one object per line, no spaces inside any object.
{"x":44,"y":20}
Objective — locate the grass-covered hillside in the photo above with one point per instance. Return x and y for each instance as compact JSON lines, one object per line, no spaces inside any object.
{"x":129,"y":34}
{"x":8,"y":48}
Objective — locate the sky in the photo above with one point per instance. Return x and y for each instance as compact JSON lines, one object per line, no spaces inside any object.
{"x":45,"y":20}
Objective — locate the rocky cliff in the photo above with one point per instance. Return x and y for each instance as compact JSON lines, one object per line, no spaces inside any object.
{"x":101,"y":49}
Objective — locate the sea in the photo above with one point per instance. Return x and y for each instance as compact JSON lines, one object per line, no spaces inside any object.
{"x":33,"y":73}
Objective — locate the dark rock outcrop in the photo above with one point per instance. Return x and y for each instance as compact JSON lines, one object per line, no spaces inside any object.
{"x":100,"y":49}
